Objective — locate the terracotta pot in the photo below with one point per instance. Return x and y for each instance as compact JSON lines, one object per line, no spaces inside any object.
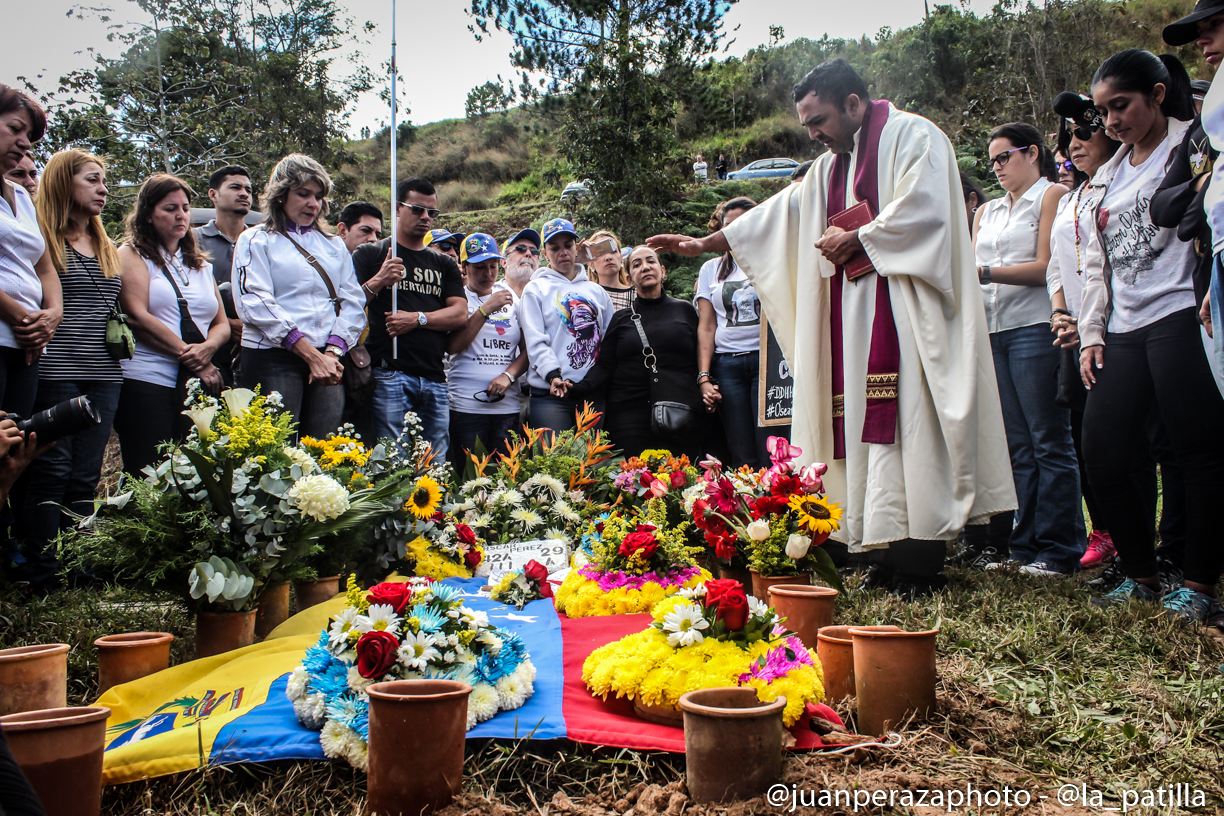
{"x":835,"y":648}
{"x":659,"y":714}
{"x":60,"y":751}
{"x":417,"y":734}
{"x":762,"y":583}
{"x":220,"y":632}
{"x":807,"y":609}
{"x":33,"y":677}
{"x":131,"y":656}
{"x":894,"y":677}
{"x":733,"y":743}
{"x":313,"y":593}
{"x":737,"y":574}
{"x":272,"y":610}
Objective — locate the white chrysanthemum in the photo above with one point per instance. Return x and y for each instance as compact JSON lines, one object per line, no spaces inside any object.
{"x":553,"y":534}
{"x":490,"y":639}
{"x":358,"y":683}
{"x":511,"y":497}
{"x":379,"y":618}
{"x":528,"y":518}
{"x":417,"y":650}
{"x":471,"y":715}
{"x":693,"y":593}
{"x":474,"y":616}
{"x":484,"y":701}
{"x":562,"y":509}
{"x":691,"y":494}
{"x":320,"y":497}
{"x":526,"y":671}
{"x":473,"y":485}
{"x":511,"y":692}
{"x":338,"y":633}
{"x":295,"y":689}
{"x":302,"y":459}
{"x":549,"y":483}
{"x":481,"y":521}
{"x":357,"y":752}
{"x":684,"y":624}
{"x":335,"y":740}
{"x":311,"y":711}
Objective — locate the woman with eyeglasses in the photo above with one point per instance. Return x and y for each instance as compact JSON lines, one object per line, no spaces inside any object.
{"x":1139,"y":316}
{"x":298,"y":297}
{"x":1068,"y":175}
{"x":1011,"y":239}
{"x":487,"y":356}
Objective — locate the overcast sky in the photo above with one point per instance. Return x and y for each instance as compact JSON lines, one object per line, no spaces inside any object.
{"x":440,"y":60}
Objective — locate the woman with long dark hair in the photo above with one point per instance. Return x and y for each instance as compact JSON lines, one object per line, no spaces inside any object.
{"x":1139,"y":316}
{"x":171,"y":299}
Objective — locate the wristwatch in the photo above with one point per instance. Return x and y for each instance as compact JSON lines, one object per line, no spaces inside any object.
{"x":422,"y":319}
{"x":335,"y":350}
{"x":702,"y":375}
{"x":984,"y":275}
{"x":510,"y":377}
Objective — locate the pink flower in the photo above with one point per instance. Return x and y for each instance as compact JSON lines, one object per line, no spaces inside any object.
{"x":657,"y":488}
{"x":711,"y":468}
{"x":722,"y":495}
{"x":781,"y":452}
{"x":809,"y":477}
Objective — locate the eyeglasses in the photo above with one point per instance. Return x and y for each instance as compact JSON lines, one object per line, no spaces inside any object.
{"x":1066,"y":165}
{"x":444,"y":247}
{"x":1002,"y":159}
{"x":1084,"y":132}
{"x":485,"y":396}
{"x":524,"y":248}
{"x":417,"y":209}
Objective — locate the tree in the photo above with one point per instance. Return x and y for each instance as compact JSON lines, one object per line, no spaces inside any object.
{"x":488,"y":98}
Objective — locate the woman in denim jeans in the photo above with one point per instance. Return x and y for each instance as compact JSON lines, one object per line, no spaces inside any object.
{"x":1012,"y":246}
{"x":728,"y":345}
{"x":295,"y":327}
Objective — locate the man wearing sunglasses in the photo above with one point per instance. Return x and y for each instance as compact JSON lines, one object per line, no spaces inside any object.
{"x":446,"y":242}
{"x":522,"y":259}
{"x":407,"y":344}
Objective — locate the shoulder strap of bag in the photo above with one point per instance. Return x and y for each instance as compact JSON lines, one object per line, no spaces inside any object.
{"x":310,"y":259}
{"x":188,"y":330}
{"x":649,"y":359}
{"x":112,"y":308}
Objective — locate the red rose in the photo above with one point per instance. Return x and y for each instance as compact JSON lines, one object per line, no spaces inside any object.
{"x":465,"y":534}
{"x":537,"y":573}
{"x":599,"y":527}
{"x":646,"y":478}
{"x":376,"y":653}
{"x":643,"y":543}
{"x":730,"y":602}
{"x":785,"y":485}
{"x":724,"y":547}
{"x":395,"y":596}
{"x":472,"y":558}
{"x":645,"y":528}
{"x":678,"y":479}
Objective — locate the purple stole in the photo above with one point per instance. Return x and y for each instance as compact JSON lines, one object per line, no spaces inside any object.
{"x":884,"y":355}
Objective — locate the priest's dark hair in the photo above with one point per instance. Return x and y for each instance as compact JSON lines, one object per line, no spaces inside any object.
{"x":832,"y":81}
{"x":1140,"y":71}
{"x":1022,"y":135}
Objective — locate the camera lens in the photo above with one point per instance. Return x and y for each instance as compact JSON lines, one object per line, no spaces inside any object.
{"x":69,"y":417}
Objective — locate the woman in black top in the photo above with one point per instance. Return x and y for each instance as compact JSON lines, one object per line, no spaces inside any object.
{"x":671,"y":327}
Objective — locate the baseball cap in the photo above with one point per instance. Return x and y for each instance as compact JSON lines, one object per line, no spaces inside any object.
{"x":1180,"y":32}
{"x":558,"y":226}
{"x":527,"y":234}
{"x":438,"y":235}
{"x":1199,"y":88}
{"x":478,"y":247}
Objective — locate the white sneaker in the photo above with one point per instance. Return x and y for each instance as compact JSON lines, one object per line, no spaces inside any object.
{"x":1010,"y":563}
{"x":1042,"y":570}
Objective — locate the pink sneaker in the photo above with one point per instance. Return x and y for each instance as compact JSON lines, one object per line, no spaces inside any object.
{"x":1100,"y":550}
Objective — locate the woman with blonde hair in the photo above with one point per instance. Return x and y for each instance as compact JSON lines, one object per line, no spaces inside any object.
{"x":610,"y":271}
{"x":297,"y":295}
{"x":173,"y":304}
{"x":76,"y":362}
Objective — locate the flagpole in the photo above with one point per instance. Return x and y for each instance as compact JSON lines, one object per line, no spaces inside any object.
{"x":394,"y":194}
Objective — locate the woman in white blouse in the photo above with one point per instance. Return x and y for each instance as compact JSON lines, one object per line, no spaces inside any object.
{"x":30,"y":301}
{"x":1012,"y":247}
{"x":297,"y":295}
{"x":172,"y":303}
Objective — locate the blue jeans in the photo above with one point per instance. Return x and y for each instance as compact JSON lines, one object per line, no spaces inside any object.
{"x":738,"y":377}
{"x":1050,"y":519}
{"x":493,"y":431}
{"x":66,"y":474}
{"x":397,"y":393}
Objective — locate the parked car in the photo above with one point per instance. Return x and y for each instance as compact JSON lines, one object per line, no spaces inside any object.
{"x":766,"y":168}
{"x":576,"y":190}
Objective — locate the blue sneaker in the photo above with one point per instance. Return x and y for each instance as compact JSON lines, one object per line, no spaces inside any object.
{"x":1127,"y":593}
{"x":1192,"y":607}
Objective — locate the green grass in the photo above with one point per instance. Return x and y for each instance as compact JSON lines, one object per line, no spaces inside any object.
{"x":1036,"y":689}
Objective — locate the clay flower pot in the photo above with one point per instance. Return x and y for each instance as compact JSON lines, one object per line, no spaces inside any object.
{"x":417,"y":733}
{"x":658,"y":714}
{"x":762,"y":583}
{"x":894,"y":677}
{"x":313,"y":593}
{"x":733,"y":743}
{"x":60,"y":751}
{"x":131,"y":656}
{"x":220,"y":632}
{"x":272,"y":610}
{"x":737,"y":574}
{"x":33,"y":677}
{"x":835,"y":648}
{"x":807,"y":609}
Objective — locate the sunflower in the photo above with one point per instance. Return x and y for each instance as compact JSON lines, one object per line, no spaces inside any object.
{"x":816,"y":514}
{"x":425,"y":497}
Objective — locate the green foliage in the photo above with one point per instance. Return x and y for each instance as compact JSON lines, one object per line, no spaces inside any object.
{"x":488,"y":98}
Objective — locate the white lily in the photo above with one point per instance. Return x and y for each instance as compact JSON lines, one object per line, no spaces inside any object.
{"x":237,"y":399}
{"x":202,"y":418}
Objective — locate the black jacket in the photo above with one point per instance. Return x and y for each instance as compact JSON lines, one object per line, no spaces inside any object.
{"x":1177,"y":204}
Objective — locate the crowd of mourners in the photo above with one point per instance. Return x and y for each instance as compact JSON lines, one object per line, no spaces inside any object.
{"x":1100,"y":249}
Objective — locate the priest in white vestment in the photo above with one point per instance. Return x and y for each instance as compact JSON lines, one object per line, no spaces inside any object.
{"x":914,"y":435}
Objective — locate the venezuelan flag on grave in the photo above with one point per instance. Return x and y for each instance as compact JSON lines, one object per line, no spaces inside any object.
{"x":232,"y":708}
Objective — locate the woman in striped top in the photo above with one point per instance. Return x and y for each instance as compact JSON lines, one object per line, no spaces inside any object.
{"x":76,"y":362}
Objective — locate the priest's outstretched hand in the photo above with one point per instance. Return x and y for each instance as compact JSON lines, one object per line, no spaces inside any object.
{"x":686,"y":246}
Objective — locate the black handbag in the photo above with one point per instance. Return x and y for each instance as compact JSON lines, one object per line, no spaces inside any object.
{"x":667,"y":417}
{"x":188,"y":331}
{"x":1071,"y":392}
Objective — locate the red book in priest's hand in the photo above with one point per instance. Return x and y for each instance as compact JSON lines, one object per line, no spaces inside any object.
{"x":851,"y":219}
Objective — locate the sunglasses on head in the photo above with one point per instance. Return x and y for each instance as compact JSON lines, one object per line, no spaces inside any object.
{"x":418,"y":210}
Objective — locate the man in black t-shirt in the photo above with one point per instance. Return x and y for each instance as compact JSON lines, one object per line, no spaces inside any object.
{"x":407,"y":345}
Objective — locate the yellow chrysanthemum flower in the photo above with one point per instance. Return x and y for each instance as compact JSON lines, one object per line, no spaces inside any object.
{"x":816,"y":514}
{"x":580,"y":597}
{"x":425,"y":498}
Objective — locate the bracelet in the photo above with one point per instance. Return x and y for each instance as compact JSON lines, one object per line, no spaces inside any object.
{"x":983,"y":275}
{"x":701,"y":375}
{"x":486,"y":316}
{"x":366,"y":287}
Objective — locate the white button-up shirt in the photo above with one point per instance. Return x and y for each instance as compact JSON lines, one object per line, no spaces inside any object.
{"x":1007,"y":235}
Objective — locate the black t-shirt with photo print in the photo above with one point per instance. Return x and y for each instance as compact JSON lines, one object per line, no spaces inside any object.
{"x":430,"y":278}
